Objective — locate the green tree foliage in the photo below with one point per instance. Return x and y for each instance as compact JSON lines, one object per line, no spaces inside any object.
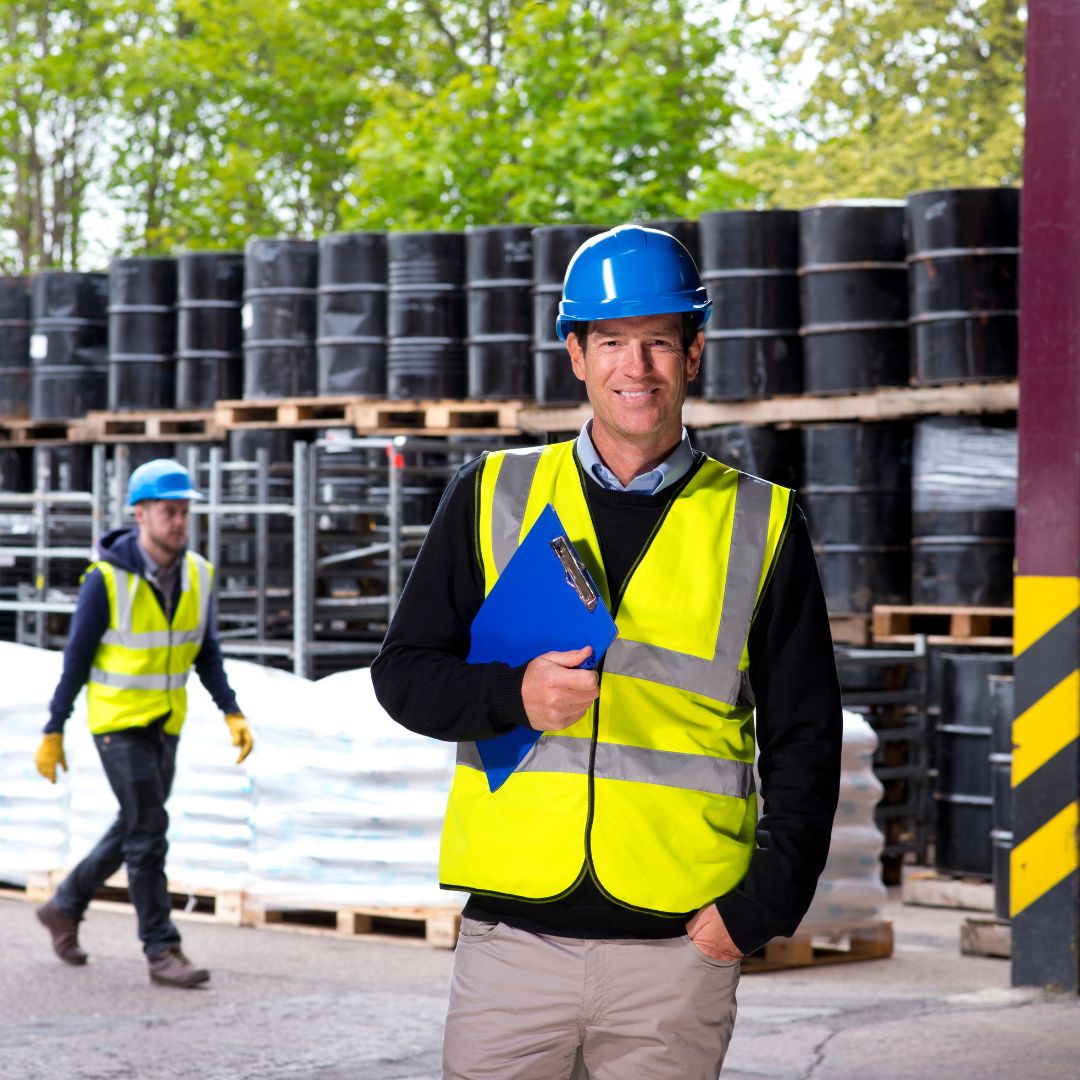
{"x":526,"y":111}
{"x":57,"y":71}
{"x":901,"y":97}
{"x":199,"y":123}
{"x":240,"y":117}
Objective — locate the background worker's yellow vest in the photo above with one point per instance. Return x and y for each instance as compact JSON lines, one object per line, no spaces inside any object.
{"x":652,"y":790}
{"x":140,"y":670}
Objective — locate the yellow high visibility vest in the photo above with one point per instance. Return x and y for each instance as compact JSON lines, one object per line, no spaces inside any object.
{"x":140,"y":670}
{"x":651,"y":791}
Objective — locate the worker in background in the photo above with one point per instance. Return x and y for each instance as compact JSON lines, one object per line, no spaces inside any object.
{"x":145,"y":617}
{"x":621,"y":873}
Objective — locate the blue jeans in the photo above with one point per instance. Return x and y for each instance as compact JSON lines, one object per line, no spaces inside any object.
{"x":139,"y":765}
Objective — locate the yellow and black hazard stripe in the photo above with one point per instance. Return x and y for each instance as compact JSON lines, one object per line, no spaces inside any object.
{"x":1043,"y":889}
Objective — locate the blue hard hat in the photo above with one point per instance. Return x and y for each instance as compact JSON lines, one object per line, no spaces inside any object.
{"x":630,"y":270}
{"x":160,"y":479}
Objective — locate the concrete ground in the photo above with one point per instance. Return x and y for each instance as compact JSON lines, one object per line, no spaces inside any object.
{"x":288,"y":1006}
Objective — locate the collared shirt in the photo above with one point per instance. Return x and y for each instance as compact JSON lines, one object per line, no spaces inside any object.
{"x":672,"y":469}
{"x":163,"y":578}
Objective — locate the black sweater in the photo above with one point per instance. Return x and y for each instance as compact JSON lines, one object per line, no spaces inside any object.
{"x":421,"y":679}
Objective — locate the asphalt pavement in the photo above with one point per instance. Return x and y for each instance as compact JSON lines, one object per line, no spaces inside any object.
{"x":283,"y":1005}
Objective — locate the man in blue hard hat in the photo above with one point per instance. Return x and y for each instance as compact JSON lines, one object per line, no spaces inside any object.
{"x":622,"y":871}
{"x":145,"y":617}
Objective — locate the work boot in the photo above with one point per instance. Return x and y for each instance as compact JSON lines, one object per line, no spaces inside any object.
{"x":65,"y":933}
{"x":173,"y":968}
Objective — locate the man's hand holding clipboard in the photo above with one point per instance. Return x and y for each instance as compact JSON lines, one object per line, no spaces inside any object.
{"x":544,"y":611}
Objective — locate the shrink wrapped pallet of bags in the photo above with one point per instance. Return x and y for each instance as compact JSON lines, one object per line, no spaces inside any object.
{"x":850,"y":892}
{"x":349,"y":805}
{"x":33,"y":813}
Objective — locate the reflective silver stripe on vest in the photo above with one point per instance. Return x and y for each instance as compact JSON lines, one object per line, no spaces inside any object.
{"x":635,"y":764}
{"x":511,"y":495}
{"x":718,"y":678}
{"x":139,"y":682}
{"x":152,"y":639}
{"x":547,"y":755}
{"x":668,"y":768}
{"x":202,"y":571}
{"x":126,"y":584}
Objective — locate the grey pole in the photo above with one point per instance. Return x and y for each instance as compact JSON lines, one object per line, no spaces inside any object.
{"x":213,"y":525}
{"x":300,"y":559}
{"x":42,"y":462}
{"x":121,"y":472}
{"x":262,"y":539}
{"x":98,"y":494}
{"x":195,"y":528}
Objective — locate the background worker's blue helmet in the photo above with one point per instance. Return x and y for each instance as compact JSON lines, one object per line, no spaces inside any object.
{"x":160,"y":479}
{"x":630,"y":270}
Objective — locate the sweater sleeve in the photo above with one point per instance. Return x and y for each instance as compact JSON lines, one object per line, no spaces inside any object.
{"x":799,"y":735}
{"x":210,"y":665}
{"x":88,"y":625}
{"x":420,"y":675}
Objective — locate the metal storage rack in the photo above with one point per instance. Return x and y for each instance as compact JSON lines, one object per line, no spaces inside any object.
{"x":40,"y":529}
{"x":889,"y":688}
{"x":292,"y":614}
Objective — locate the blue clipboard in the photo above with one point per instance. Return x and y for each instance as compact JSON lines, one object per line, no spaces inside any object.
{"x":544,"y":601}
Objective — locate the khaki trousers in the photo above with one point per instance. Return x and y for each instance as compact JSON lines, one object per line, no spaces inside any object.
{"x":533,"y":1007}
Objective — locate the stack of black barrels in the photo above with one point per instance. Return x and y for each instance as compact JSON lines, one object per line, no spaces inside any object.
{"x":853,"y":297}
{"x":209,"y":356}
{"x":856,"y":495}
{"x":836,"y":298}
{"x":426,"y":315}
{"x":280,"y":283}
{"x":963,"y":250}
{"x":749,"y":264}
{"x":142,"y":334}
{"x":14,"y":346}
{"x":68,"y":344}
{"x":498,"y":285}
{"x":352,"y":328}
{"x":973,"y":790}
{"x":964,"y":510}
{"x":554,"y":382}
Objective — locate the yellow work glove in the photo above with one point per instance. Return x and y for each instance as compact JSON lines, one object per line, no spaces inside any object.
{"x":241,"y":734}
{"x":50,"y":754}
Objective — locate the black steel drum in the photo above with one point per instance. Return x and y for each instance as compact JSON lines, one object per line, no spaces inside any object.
{"x":964,"y":275}
{"x":750,"y":260}
{"x":853,"y":297}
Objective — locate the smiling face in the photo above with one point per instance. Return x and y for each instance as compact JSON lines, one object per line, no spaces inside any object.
{"x":636,"y":371}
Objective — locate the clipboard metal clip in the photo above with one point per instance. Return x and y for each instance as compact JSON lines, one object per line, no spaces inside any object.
{"x":574,"y":570}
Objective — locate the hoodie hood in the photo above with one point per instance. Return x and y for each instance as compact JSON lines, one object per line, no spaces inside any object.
{"x":121,"y":548}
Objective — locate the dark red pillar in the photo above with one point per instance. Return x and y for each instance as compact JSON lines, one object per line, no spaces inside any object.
{"x":1044,"y":889}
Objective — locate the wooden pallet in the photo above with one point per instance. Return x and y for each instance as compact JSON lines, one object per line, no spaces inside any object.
{"x":853,"y":629}
{"x":188,"y":902}
{"x":985,"y":626}
{"x":165,"y":425}
{"x":284,"y":412}
{"x":435,"y":417}
{"x":17,"y":432}
{"x":872,"y":941}
{"x":986,"y":937}
{"x":433,"y":926}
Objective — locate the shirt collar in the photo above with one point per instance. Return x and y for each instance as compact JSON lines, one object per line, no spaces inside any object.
{"x":153,"y":569}
{"x":671,"y":470}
